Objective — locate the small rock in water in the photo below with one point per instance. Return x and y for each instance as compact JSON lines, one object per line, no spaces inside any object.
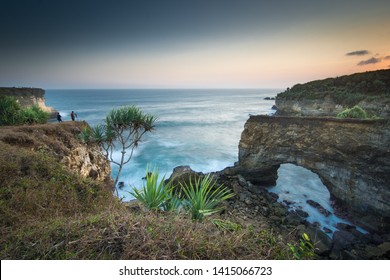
{"x":327,"y":230}
{"x":121,"y":185}
{"x":287,"y":202}
{"x":319,"y":207}
{"x":301,"y":213}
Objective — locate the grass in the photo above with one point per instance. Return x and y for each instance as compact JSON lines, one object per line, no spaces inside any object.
{"x":49,"y":212}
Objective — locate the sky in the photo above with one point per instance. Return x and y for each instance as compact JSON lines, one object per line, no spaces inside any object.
{"x":189,"y":43}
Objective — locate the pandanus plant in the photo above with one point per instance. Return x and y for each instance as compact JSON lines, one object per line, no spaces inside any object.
{"x":122,"y":130}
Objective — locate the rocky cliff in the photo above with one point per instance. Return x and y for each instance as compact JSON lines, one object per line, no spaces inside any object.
{"x":328,"y":97}
{"x":28,"y":97}
{"x":352,"y":158}
{"x":60,"y":141}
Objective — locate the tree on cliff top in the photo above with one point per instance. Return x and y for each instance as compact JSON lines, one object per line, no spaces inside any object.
{"x":123,"y":129}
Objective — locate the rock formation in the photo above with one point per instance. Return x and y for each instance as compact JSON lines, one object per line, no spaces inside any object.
{"x":328,"y":97}
{"x":28,"y":97}
{"x":61,"y":141}
{"x":352,"y":158}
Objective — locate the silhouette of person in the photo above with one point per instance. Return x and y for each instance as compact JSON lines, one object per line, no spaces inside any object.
{"x":73,"y":115}
{"x":59,"y":118}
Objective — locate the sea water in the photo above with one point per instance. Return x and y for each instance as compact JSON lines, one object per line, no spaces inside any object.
{"x":199,"y":128}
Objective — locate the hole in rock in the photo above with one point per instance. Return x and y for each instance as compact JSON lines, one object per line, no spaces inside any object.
{"x":302,"y":190}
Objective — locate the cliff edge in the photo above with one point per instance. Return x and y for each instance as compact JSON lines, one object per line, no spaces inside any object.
{"x":28,"y":97}
{"x":328,"y":97}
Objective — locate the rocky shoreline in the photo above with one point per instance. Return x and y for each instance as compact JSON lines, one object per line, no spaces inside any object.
{"x":253,"y":205}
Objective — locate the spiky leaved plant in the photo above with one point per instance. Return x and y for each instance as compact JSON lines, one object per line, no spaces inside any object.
{"x":156,"y":195}
{"x":203,"y":196}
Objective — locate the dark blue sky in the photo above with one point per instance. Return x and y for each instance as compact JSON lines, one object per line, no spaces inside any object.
{"x":155,"y":43}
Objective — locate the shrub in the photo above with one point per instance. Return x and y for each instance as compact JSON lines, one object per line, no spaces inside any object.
{"x":33,"y":115}
{"x":9,"y":110}
{"x":355,"y":112}
{"x":203,"y":196}
{"x":12,"y":114}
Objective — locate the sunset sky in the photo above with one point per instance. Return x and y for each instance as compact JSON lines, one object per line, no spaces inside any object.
{"x":189,"y":44}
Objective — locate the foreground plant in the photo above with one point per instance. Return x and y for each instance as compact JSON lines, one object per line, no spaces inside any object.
{"x":156,"y":195}
{"x":304,"y":249}
{"x":203,"y":196}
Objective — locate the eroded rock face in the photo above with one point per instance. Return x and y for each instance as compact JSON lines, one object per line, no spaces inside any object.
{"x":88,"y":162}
{"x":325,"y":107}
{"x":28,"y":97}
{"x":352,"y":158}
{"x":61,"y":141}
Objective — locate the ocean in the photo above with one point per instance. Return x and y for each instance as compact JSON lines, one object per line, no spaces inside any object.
{"x":199,"y":128}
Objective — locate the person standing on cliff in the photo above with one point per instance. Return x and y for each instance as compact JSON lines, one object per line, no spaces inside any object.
{"x":73,"y":115}
{"x":59,"y":118}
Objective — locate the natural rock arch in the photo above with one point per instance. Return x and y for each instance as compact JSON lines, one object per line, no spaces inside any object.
{"x":352,"y":158}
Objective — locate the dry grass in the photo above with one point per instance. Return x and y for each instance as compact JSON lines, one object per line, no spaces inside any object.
{"x":47,"y":212}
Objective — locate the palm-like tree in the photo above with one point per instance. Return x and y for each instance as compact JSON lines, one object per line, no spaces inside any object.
{"x":123,"y":129}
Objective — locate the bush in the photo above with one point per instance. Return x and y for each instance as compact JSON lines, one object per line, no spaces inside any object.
{"x":12,"y":114}
{"x":355,"y":112}
{"x":9,"y":110}
{"x":33,"y":115}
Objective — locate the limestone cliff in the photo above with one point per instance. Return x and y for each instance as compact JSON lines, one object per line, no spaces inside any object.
{"x":28,"y":97}
{"x":328,"y":97}
{"x":352,"y":158}
{"x":60,"y":140}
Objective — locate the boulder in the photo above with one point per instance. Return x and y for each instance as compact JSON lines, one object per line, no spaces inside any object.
{"x":183,"y":175}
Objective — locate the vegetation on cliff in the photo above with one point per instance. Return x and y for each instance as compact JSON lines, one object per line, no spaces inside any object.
{"x":11,"y":113}
{"x":346,"y":90}
{"x":50,"y":212}
{"x":123,"y":127}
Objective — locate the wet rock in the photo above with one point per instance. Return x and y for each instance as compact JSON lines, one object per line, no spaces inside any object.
{"x":319,"y":207}
{"x":301,"y":213}
{"x":346,"y":227}
{"x":121,"y":185}
{"x":287,"y":202}
{"x":327,"y":230}
{"x":274,"y":107}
